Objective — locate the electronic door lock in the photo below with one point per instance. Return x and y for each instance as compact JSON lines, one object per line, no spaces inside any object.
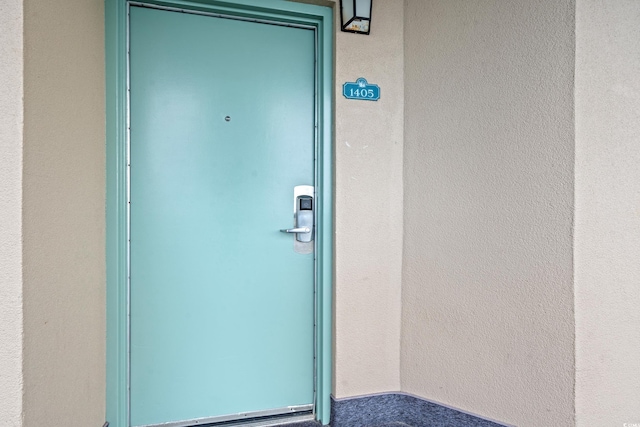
{"x":303,"y":214}
{"x":304,"y":218}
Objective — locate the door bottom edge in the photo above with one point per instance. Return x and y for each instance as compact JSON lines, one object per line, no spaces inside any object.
{"x":266,"y":418}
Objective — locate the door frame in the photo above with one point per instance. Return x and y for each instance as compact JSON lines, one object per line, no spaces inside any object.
{"x":117,"y":227}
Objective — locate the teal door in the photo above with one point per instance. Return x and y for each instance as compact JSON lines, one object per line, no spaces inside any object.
{"x":221,"y":131}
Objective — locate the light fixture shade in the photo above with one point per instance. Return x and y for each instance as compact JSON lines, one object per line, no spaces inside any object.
{"x":356,"y":16}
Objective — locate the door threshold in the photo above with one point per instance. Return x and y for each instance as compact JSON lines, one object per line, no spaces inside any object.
{"x":269,"y":422}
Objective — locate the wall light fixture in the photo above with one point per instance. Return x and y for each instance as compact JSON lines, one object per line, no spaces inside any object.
{"x":356,"y":16}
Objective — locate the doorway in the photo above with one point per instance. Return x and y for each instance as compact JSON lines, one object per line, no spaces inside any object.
{"x":219,"y":315}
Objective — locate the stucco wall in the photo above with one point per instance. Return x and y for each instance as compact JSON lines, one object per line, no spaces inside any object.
{"x":487,"y":293}
{"x":489,"y":145}
{"x":607,"y":230}
{"x":11,"y":121}
{"x":64,"y":186}
{"x":368,"y":207}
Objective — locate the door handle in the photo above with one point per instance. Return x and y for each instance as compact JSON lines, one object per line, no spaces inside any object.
{"x":296,"y":230}
{"x":303,"y":217}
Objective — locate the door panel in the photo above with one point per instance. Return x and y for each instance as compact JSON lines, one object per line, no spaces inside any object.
{"x":221,"y":306}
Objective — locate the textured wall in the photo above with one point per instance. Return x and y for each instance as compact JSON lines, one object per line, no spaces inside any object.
{"x":487,"y":275}
{"x":607,"y":231}
{"x":368,"y":207}
{"x":64,"y":186}
{"x":11,"y":121}
{"x":487,"y":298}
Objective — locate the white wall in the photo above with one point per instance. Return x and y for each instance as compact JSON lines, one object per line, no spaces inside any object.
{"x":368,"y":207}
{"x":11,"y":122}
{"x":607,"y":230}
{"x":489,"y":148}
{"x":64,"y":213}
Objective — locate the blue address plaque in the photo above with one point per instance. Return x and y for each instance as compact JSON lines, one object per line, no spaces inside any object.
{"x":362,"y":90}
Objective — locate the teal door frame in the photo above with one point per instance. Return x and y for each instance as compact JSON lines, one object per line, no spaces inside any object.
{"x":287,"y":12}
